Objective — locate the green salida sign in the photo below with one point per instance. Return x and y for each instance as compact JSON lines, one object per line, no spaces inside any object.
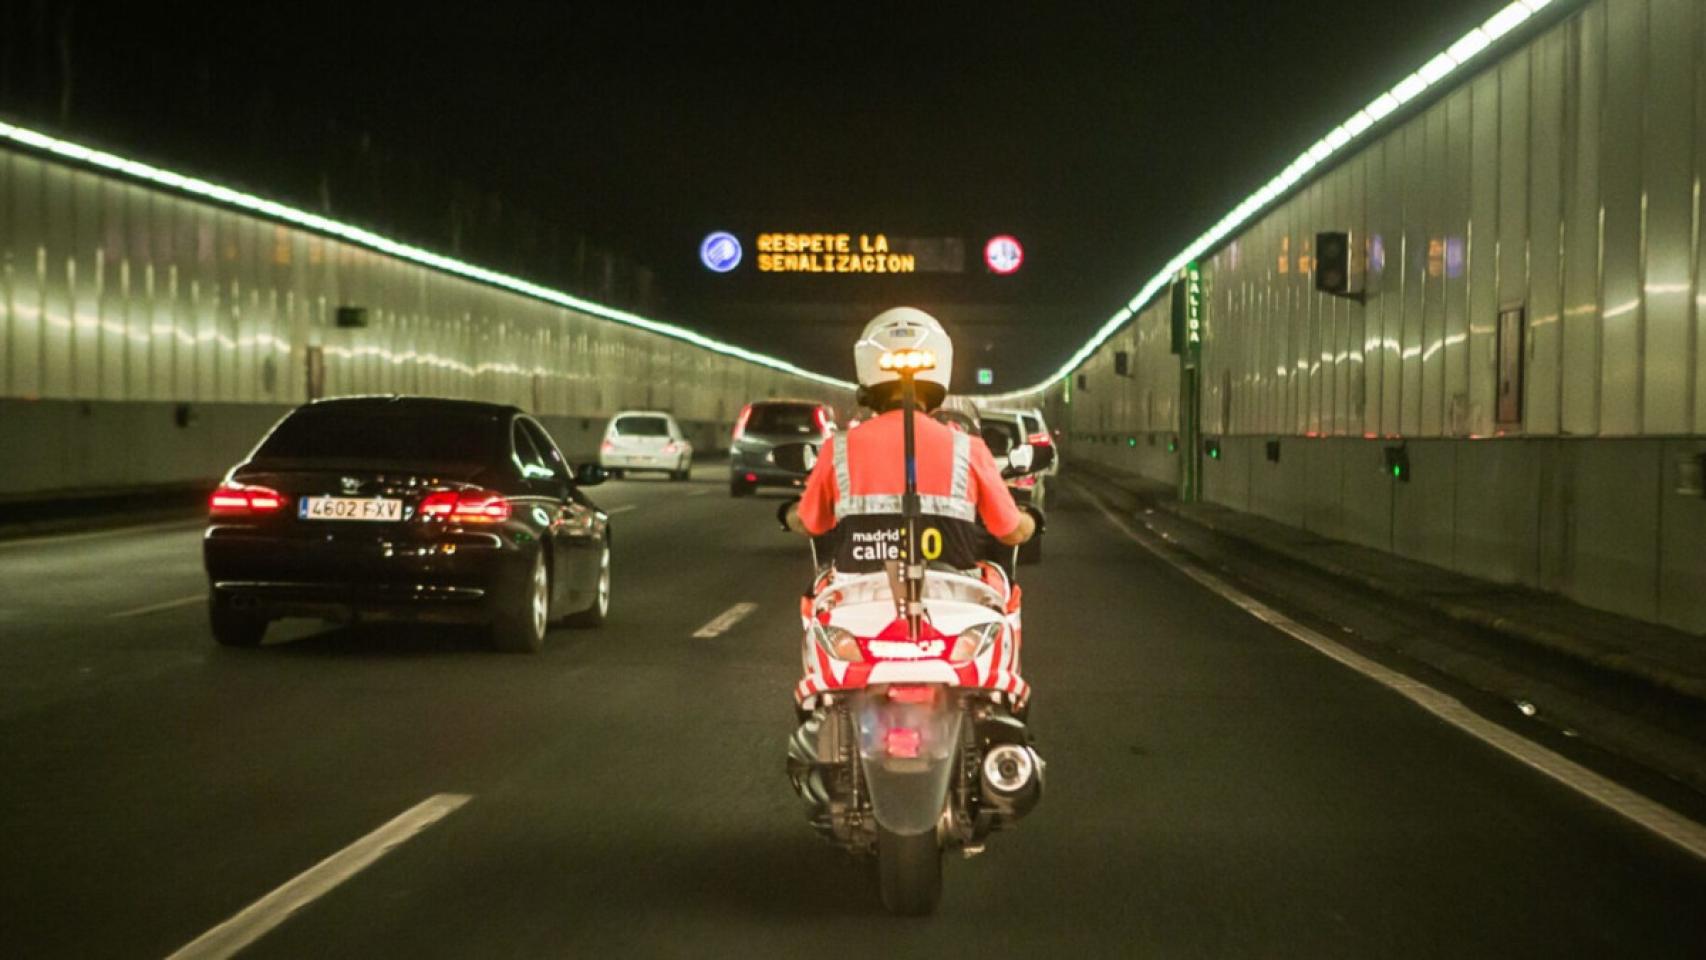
{"x":1187,"y":311}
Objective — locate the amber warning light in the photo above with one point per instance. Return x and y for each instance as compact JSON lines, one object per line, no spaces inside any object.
{"x":907,"y":360}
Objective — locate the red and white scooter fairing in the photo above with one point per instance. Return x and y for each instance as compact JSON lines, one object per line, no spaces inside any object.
{"x":907,"y":748}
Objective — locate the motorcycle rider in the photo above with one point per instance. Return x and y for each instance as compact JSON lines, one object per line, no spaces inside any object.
{"x":859,"y":478}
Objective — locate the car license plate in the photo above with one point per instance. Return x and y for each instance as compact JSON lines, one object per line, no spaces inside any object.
{"x":349,"y":508}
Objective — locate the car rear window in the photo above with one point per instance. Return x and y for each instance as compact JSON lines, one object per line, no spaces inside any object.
{"x":401,"y":436}
{"x":1001,"y":436}
{"x":784,"y":418}
{"x":642,"y":427}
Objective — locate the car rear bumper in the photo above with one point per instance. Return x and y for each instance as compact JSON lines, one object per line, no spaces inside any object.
{"x":465,"y":580}
{"x":642,"y":461}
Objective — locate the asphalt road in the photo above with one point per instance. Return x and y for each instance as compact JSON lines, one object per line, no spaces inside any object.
{"x":1216,"y":788}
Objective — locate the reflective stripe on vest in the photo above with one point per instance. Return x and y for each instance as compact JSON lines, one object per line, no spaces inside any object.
{"x":955,"y":505}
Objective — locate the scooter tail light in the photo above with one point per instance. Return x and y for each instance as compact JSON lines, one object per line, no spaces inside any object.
{"x":240,"y":499}
{"x":903,"y":742}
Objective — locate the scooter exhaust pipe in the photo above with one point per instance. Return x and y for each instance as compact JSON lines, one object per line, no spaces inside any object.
{"x":1012,"y":779}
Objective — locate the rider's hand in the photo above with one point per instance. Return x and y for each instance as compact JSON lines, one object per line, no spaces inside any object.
{"x":795,"y":523}
{"x":1027,"y":526}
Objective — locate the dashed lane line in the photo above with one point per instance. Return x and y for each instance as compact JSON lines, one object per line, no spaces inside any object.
{"x":1646,"y":813}
{"x":721,"y":623}
{"x":164,"y":605}
{"x":273,"y":909}
{"x":613,"y":511}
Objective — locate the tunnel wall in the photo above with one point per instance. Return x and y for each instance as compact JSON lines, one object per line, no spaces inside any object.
{"x":121,"y":303}
{"x":1562,"y":182}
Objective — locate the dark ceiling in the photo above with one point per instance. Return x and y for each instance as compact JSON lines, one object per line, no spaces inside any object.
{"x":1103,"y":136}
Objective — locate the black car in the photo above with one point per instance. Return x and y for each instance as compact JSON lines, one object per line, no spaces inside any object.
{"x":409,"y":508}
{"x":765,"y":424}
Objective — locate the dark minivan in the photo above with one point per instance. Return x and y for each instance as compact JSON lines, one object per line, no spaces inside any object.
{"x":763,"y":425}
{"x":411,"y":508}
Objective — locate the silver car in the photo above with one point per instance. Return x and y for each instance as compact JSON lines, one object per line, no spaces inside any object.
{"x":645,"y":440}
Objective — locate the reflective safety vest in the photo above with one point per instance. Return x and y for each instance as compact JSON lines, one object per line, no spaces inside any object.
{"x":872,"y":526}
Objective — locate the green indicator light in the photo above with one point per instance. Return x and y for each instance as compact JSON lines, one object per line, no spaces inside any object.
{"x":1397,"y":471}
{"x":1131,"y":441}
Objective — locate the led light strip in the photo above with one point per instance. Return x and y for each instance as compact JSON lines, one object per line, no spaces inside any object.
{"x":1407,"y":89}
{"x":250,"y":203}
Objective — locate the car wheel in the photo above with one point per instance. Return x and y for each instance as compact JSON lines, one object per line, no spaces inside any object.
{"x":521,"y":628}
{"x":594,"y":616}
{"x":235,"y":628}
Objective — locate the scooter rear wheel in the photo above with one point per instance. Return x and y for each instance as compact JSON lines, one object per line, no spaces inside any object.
{"x":909,"y":872}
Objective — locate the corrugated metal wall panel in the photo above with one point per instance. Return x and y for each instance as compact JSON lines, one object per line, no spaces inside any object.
{"x":1668,"y":176}
{"x":1545,"y":213}
{"x":1417,"y":200}
{"x":1483,"y":252}
{"x":1454,"y":358}
{"x":1620,"y":186}
{"x":1579,"y":407}
{"x":1436,"y":227}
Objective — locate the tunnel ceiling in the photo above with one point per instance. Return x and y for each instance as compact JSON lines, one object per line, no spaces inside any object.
{"x":1104,"y":140}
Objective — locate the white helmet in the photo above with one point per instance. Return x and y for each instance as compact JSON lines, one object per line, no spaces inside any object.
{"x":903,"y":328}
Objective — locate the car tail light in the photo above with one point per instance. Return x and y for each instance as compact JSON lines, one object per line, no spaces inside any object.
{"x":464,"y":506}
{"x":821,"y":416}
{"x":609,"y":446}
{"x":903,"y":742}
{"x":243,"y":500}
{"x":670,"y":447}
{"x":752,"y":478}
{"x":740,"y":422}
{"x":1039,"y":439}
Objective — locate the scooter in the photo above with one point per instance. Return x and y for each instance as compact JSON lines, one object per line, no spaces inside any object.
{"x":912,"y":741}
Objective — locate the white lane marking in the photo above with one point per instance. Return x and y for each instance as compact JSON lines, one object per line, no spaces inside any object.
{"x":613,"y":511}
{"x":721,"y":623}
{"x":1655,"y":817}
{"x":49,"y":539}
{"x":702,"y":491}
{"x":274,"y":908}
{"x":165,"y":605}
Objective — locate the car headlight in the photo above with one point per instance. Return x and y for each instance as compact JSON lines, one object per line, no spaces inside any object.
{"x":838,"y":643}
{"x":973,"y":642}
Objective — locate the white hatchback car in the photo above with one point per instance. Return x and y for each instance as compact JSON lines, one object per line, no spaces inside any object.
{"x":645,"y":440}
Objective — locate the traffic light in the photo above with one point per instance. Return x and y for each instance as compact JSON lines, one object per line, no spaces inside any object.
{"x":1333,"y":262}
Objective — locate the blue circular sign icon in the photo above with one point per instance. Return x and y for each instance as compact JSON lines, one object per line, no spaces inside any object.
{"x":720,"y":252}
